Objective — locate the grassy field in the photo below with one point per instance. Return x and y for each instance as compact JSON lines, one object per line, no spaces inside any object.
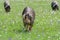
{"x":46,"y":26}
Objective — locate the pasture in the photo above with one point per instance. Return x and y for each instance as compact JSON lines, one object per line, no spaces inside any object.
{"x":46,"y":25}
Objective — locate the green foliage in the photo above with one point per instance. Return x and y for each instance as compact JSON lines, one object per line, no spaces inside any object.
{"x":46,"y":25}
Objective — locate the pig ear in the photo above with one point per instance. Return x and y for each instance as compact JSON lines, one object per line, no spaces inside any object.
{"x":23,"y":16}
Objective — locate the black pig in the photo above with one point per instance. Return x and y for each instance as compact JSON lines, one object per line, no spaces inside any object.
{"x":7,"y":6}
{"x":28,"y":18}
{"x":54,"y":5}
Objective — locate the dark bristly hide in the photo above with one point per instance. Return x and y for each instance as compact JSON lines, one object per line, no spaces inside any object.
{"x":54,"y":5}
{"x":28,"y":18}
{"x":7,"y":6}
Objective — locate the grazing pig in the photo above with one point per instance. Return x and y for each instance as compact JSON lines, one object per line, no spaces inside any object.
{"x":54,"y":5}
{"x":28,"y":18}
{"x":7,"y":6}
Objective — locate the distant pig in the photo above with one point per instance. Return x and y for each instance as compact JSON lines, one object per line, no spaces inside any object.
{"x":28,"y":18}
{"x":54,"y":5}
{"x":7,"y":6}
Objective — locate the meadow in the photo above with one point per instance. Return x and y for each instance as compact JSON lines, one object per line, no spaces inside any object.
{"x":46,"y":25}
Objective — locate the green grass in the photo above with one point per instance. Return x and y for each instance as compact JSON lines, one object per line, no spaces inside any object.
{"x":46,"y":25}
